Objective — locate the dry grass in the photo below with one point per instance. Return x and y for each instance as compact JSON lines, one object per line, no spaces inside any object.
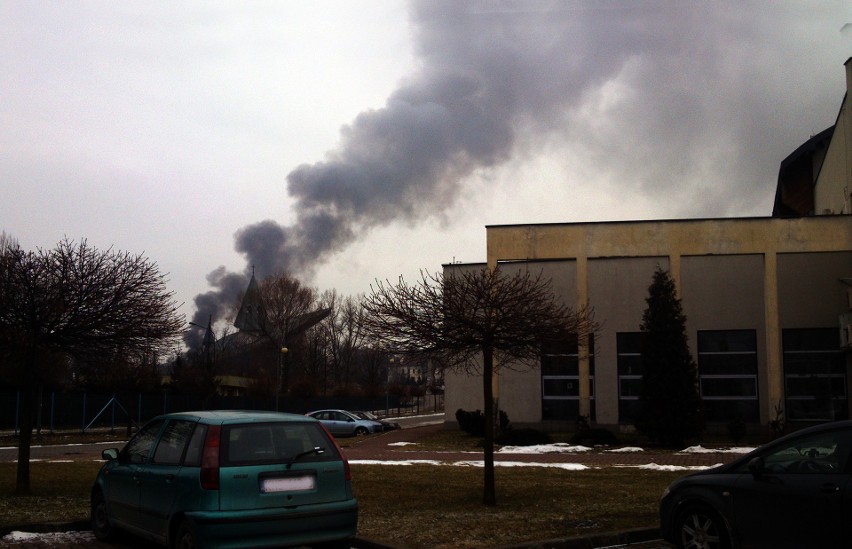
{"x":60,"y":492}
{"x":418,"y":506}
{"x":440,"y":507}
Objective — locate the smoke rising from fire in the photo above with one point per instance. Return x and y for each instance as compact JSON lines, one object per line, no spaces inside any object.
{"x":634,"y":84}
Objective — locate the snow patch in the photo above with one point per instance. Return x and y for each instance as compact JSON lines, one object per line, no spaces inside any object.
{"x":400,"y":462}
{"x":565,"y":466}
{"x":558,"y":448}
{"x":703,"y":450}
{"x":57,"y":538}
{"x":656,"y":467}
{"x":626,"y":450}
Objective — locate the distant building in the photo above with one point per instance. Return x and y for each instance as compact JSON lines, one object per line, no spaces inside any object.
{"x":768,"y":303}
{"x":253,"y":356}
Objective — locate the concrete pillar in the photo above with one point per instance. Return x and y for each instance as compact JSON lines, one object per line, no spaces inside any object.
{"x":774,"y":370}
{"x":582,"y":346}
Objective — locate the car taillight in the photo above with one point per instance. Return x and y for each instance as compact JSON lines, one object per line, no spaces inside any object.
{"x":210,"y":458}
{"x":346,"y":470}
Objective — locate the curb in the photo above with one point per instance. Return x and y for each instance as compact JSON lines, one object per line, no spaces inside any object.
{"x":608,"y":539}
{"x":46,"y":527}
{"x":85,"y":526}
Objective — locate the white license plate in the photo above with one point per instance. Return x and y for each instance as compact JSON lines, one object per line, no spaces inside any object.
{"x":288,"y":484}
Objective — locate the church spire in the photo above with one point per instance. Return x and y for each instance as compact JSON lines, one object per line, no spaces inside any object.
{"x":252,"y":315}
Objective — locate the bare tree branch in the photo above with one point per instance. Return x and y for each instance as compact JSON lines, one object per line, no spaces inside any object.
{"x":470,"y":318}
{"x":77,"y":302}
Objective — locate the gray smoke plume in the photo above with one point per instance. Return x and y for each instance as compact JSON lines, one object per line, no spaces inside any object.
{"x":636,"y":86}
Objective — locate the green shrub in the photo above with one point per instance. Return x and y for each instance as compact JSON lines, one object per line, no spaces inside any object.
{"x":474,"y":422}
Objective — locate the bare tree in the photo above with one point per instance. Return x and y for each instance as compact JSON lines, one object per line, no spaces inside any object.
{"x":75,"y":303}
{"x":7,"y":242}
{"x":287,"y":306}
{"x":476,"y":318}
{"x":345,"y":335}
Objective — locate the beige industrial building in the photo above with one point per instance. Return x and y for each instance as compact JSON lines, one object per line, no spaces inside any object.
{"x":768,"y":303}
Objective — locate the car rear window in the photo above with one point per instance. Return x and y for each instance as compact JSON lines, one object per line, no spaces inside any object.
{"x":256,"y":443}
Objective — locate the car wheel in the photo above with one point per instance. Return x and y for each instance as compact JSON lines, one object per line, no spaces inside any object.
{"x":186,"y":537}
{"x":361,"y":431}
{"x":698,"y":527}
{"x":101,"y":526}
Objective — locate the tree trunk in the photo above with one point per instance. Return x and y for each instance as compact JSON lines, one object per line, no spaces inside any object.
{"x":489,"y":496}
{"x":25,"y":437}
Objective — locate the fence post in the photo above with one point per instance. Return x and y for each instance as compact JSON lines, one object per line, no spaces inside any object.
{"x":39,"y":408}
{"x":83,"y":426}
{"x":52,"y":409}
{"x":17,"y":409}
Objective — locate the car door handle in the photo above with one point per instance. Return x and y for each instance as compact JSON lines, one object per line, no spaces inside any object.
{"x":828,"y":488}
{"x":170,"y":479}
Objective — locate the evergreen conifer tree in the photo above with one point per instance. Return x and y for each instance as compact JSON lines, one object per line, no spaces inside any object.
{"x":670,"y":406}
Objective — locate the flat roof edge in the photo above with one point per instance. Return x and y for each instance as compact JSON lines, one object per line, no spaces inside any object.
{"x":670,"y":220}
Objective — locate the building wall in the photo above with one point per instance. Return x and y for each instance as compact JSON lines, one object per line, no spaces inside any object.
{"x":462,"y":389}
{"x":617,"y":290}
{"x":813,"y":285}
{"x":727,"y":293}
{"x":760,"y":274}
{"x":834,"y":183}
{"x":519,"y":388}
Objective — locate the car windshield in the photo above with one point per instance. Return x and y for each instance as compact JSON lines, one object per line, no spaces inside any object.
{"x":274,"y":443}
{"x":817,"y":453}
{"x":366,"y":415}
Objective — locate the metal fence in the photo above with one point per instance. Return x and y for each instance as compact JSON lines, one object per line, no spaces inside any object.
{"x":82,"y":410}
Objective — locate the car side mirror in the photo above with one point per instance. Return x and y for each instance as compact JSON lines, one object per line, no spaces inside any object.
{"x":109,"y":454}
{"x":756,"y":467}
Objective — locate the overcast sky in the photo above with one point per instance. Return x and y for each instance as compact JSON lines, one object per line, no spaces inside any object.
{"x":347,"y":141}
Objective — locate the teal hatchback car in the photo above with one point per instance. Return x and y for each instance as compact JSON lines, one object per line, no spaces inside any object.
{"x":227,"y":479}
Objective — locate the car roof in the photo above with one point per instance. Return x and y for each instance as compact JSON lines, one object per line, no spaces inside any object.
{"x":829,"y":426}
{"x":218,"y":417}
{"x":330,"y":410}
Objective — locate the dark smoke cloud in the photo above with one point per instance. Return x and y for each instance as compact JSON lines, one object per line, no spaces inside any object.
{"x":673,"y":99}
{"x":215,"y":304}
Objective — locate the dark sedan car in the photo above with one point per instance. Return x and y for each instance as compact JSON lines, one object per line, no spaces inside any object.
{"x":794,"y":492}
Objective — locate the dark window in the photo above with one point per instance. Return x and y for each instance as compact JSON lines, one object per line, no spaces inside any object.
{"x":727,"y":368}
{"x":822,"y":453}
{"x":275,"y":443}
{"x":814,"y":374}
{"x":139,"y":447}
{"x":560,"y":379}
{"x":173,"y":442}
{"x":629,"y":362}
{"x":196,"y":447}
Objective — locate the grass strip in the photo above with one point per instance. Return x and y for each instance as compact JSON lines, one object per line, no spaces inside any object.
{"x":417,"y":506}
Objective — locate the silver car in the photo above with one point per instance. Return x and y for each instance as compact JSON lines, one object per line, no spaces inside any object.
{"x":341,"y":423}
